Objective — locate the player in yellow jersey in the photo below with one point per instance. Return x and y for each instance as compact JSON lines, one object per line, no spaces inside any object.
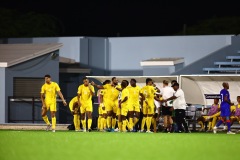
{"x":102,"y":109}
{"x":85,"y":93}
{"x":123,"y":105}
{"x":74,"y":108}
{"x":111,"y":102}
{"x":134,"y":105}
{"x":49,"y":92}
{"x":147,"y":93}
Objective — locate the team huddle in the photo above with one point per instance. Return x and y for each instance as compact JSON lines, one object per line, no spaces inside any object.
{"x":120,"y":106}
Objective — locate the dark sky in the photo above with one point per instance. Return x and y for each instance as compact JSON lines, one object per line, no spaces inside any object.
{"x":126,"y":17}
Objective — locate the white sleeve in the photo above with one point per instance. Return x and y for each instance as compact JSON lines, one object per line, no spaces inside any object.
{"x":178,"y":93}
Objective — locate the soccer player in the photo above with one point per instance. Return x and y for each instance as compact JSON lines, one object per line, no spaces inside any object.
{"x":111,"y":102}
{"x":213,"y":114}
{"x":102,"y":109}
{"x":48,"y":98}
{"x":85,"y":93}
{"x":123,"y":105}
{"x":74,"y":108}
{"x":147,"y":93}
{"x":134,"y":106}
{"x":225,"y":108}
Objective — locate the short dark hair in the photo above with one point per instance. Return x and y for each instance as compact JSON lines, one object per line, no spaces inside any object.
{"x":126,"y":82}
{"x":238,"y":97}
{"x":148,"y":80}
{"x":134,"y":80}
{"x":173,"y":81}
{"x":113,"y":78}
{"x":47,"y":75}
{"x":106,"y":82}
{"x":175,"y":84}
{"x":84,"y":78}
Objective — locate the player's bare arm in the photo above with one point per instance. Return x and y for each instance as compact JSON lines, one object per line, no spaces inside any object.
{"x":62,"y":98}
{"x":78,"y":97}
{"x":42,"y":99}
{"x":98,"y":86}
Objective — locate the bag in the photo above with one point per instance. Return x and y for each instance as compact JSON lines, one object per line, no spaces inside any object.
{"x":71,"y":127}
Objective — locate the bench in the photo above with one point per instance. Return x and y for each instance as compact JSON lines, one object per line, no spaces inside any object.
{"x":219,"y":64}
{"x":231,"y":70}
{"x":233,"y":58}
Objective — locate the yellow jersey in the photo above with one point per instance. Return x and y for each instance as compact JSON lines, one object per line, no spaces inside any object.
{"x":111,"y":93}
{"x":148,"y":92}
{"x":134,"y":93}
{"x":50,"y":91}
{"x":125,"y":93}
{"x":85,"y":94}
{"x":73,"y":100}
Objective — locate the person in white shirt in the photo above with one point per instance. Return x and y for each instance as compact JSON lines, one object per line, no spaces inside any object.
{"x":179,"y":105}
{"x":167,"y":107}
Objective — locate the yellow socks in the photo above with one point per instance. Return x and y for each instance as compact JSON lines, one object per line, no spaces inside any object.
{"x":124,"y":124}
{"x":75,"y":122}
{"x":45,"y":118}
{"x":78,"y":121}
{"x":53,"y":123}
{"x":143,"y":123}
{"x":209,"y":125}
{"x":120,"y":126}
{"x":103,"y":123}
{"x":135,"y":120}
{"x":149,"y":119}
{"x":114,"y":122}
{"x":84,"y":124}
{"x":99,"y":122}
{"x":130,"y":124}
{"x":109,"y":124}
{"x":89,"y":123}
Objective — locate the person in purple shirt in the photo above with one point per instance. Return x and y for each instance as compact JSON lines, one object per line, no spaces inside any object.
{"x":225,"y":108}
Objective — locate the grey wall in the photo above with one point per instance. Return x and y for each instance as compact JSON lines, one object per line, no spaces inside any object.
{"x":98,"y":55}
{"x":37,"y":67}
{"x":127,"y":53}
{"x":2,"y":95}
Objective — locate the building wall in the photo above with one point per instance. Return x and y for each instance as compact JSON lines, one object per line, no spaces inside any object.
{"x":127,"y":53}
{"x":2,"y":95}
{"x":37,"y":67}
{"x":70,"y":49}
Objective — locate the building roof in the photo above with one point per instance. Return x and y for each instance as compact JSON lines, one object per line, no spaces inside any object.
{"x":12,"y":54}
{"x":162,"y":61}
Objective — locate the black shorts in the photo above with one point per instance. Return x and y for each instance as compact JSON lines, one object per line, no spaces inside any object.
{"x":166,"y":111}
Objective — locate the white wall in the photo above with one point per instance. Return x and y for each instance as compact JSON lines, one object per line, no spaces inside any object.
{"x":127,"y":53}
{"x":2,"y":95}
{"x":70,"y":49}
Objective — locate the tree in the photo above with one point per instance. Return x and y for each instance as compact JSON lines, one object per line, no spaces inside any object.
{"x":16,"y":24}
{"x":216,"y":26}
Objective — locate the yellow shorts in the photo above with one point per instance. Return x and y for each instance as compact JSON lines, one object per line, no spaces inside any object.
{"x":86,"y":107}
{"x":124,"y":110}
{"x":51,"y":105}
{"x":111,"y":106}
{"x":101,"y":111}
{"x":134,"y":107}
{"x":148,"y":109}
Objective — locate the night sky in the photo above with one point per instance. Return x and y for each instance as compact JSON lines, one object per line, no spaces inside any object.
{"x":126,"y":17}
